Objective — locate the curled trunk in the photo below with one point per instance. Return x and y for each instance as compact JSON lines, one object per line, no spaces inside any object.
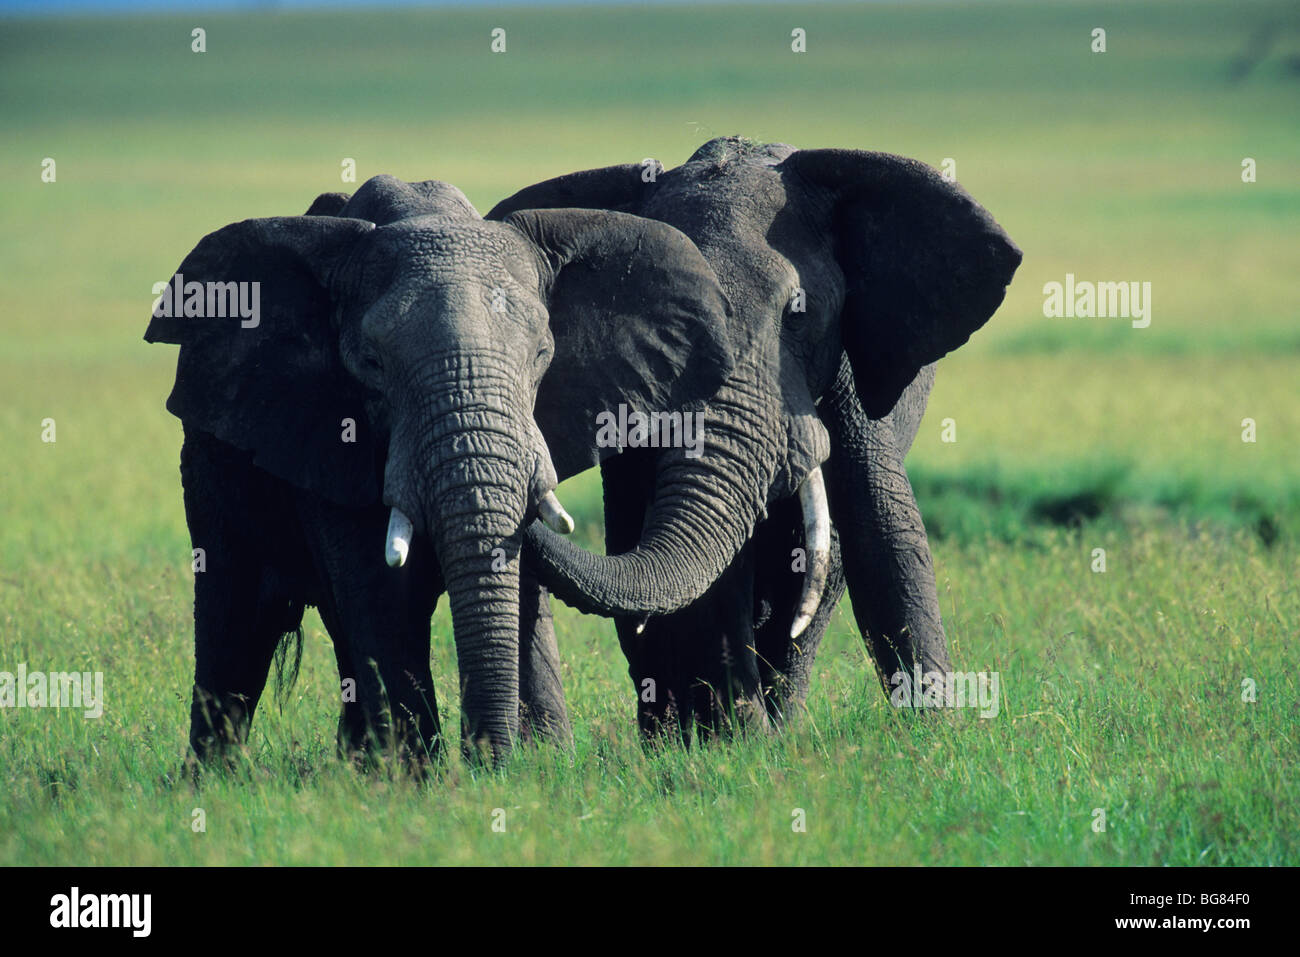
{"x":702,"y":512}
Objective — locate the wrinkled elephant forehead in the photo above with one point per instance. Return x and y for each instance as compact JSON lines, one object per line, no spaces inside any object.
{"x":456,"y":248}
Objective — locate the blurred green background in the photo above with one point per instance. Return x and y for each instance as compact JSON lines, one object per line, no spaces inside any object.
{"x":1071,"y":433}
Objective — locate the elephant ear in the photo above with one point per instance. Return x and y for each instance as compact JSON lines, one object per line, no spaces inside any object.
{"x":619,"y":188}
{"x":924,"y":264}
{"x":259,"y":365}
{"x":639,"y":320}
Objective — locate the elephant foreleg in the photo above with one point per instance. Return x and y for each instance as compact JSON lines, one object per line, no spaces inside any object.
{"x":887,"y":562}
{"x":378,"y":618}
{"x":240,"y":614}
{"x":714,"y":646}
{"x":628,"y":485}
{"x":695,"y":670}
{"x":786,"y":663}
{"x":352,"y":730}
{"x":542,"y":709}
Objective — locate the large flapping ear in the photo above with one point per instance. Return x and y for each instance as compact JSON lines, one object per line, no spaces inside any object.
{"x":620,"y":188}
{"x":639,"y":321}
{"x":925,"y":264}
{"x":259,"y":366}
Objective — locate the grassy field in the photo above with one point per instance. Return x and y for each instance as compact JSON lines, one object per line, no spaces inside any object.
{"x":1121,"y":691}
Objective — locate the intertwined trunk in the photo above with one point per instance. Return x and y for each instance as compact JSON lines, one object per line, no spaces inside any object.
{"x":702,"y":512}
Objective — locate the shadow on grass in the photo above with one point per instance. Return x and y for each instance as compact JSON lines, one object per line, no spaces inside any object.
{"x":985,"y":501}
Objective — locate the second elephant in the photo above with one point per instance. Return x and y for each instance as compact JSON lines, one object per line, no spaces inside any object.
{"x":850,"y":274}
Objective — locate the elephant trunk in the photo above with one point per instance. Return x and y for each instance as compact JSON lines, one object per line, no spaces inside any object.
{"x":462,"y":468}
{"x":703,"y":510}
{"x":481,"y":568}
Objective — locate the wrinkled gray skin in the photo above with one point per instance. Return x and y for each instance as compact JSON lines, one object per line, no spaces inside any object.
{"x":898,"y":267}
{"x":402,"y":317}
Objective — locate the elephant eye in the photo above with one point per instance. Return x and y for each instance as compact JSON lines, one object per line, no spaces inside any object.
{"x":796,"y":306}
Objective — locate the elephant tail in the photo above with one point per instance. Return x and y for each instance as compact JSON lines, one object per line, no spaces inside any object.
{"x":288,"y":654}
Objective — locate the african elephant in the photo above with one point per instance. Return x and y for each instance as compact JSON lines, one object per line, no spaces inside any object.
{"x":387,"y":383}
{"x":850,"y":273}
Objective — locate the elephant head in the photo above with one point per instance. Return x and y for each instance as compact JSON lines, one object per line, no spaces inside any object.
{"x":396,"y":353}
{"x":821,"y":253}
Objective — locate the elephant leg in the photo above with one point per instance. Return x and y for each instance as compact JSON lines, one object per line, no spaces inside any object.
{"x":241,"y":607}
{"x":379,"y":619}
{"x":785,"y":663}
{"x":790,"y":696}
{"x":234,"y":642}
{"x":887,"y":561}
{"x":696,"y":669}
{"x":896,"y":600}
{"x":542,"y":709}
{"x":715,"y":653}
{"x":352,"y":730}
{"x":628,"y":487}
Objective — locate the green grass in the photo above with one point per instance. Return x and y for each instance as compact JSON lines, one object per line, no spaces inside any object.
{"x":1121,"y":691}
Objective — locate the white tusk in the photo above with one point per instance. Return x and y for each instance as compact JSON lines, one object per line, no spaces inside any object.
{"x":554,"y":515}
{"x":817,"y":539}
{"x":399,"y":539}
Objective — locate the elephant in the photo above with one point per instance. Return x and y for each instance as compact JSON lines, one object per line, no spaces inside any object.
{"x":389,"y":380}
{"x":850,"y":274}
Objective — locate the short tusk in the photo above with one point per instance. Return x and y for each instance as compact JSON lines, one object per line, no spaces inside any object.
{"x":817,"y":539}
{"x":399,"y":539}
{"x":554,"y":515}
